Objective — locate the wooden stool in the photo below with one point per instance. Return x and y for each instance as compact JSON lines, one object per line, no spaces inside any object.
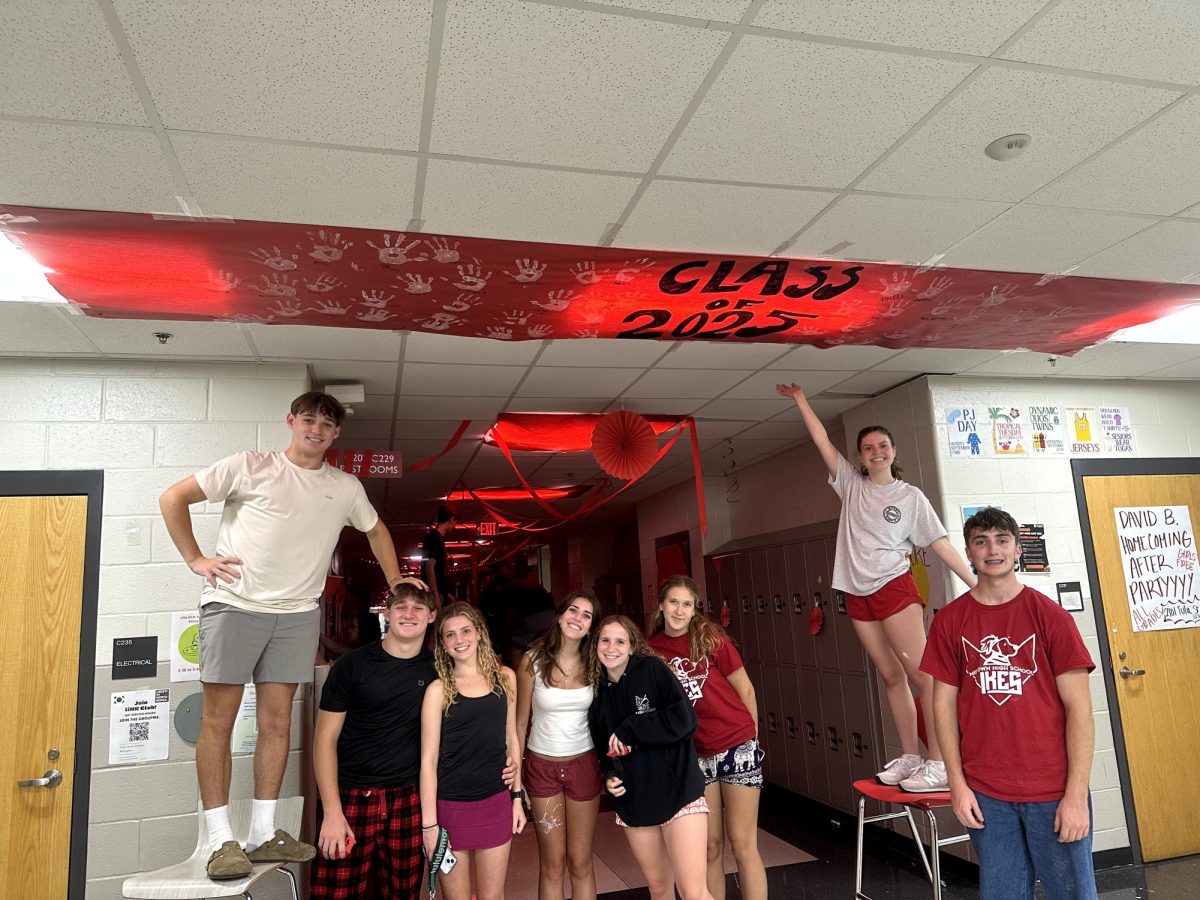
{"x":884,"y":793}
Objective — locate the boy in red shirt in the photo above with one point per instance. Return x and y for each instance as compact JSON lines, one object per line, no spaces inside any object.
{"x":1014,"y":719}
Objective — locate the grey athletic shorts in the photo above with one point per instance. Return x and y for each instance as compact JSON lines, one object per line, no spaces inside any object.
{"x":238,"y":646}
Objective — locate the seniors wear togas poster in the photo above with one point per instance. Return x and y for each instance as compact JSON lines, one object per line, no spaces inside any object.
{"x":1116,"y":430}
{"x":1158,"y":558}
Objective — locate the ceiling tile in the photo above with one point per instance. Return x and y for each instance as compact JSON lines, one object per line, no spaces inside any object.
{"x":685,"y":215}
{"x":716,"y":10}
{"x":659,"y":406}
{"x":1188,"y":370}
{"x":318,"y":342}
{"x":719,"y":429}
{"x":556,"y":405}
{"x":1069,"y":119}
{"x":84,"y":167}
{"x":444,"y":348}
{"x":895,"y":229}
{"x":1136,"y":38}
{"x":572,"y":87}
{"x":135,"y":337}
{"x":846,"y":358}
{"x":459,"y":379}
{"x":761,"y":386}
{"x":376,"y":407}
{"x":40,"y":328}
{"x":357,"y":432}
{"x":785,"y":427}
{"x":714,"y":355}
{"x":247,"y":179}
{"x":573,"y":381}
{"x":448,"y":408}
{"x":684,"y":383}
{"x":602,"y":353}
{"x":1151,"y":171}
{"x":59,"y":61}
{"x":1041,"y":239}
{"x":375,"y":377}
{"x":930,"y":362}
{"x":925,"y":24}
{"x":739,"y":409}
{"x":1169,"y":251}
{"x":522,"y":204}
{"x":740,"y":133}
{"x":873,"y":382}
{"x":340,"y":73}
{"x":1126,"y":361}
{"x":1025,"y":362}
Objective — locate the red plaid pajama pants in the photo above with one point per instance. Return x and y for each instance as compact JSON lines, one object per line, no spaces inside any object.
{"x":387,"y":847}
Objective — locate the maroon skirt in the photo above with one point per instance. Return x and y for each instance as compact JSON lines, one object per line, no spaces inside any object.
{"x":477,"y":824}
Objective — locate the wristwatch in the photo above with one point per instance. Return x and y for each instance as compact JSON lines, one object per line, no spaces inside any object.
{"x":517,"y":795}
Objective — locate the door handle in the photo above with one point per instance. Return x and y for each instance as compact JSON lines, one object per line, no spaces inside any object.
{"x":1127,"y":672}
{"x":51,"y":779}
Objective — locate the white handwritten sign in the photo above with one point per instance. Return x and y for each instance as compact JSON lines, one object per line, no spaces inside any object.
{"x":1158,"y":556}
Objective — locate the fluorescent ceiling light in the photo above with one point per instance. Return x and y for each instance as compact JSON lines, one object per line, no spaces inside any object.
{"x":1182,"y":327}
{"x":22,"y":279}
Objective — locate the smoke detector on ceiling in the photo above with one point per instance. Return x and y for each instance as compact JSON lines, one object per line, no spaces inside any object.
{"x":1008,"y":147}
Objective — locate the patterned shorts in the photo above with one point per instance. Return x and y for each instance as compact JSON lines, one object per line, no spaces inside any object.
{"x":387,"y":847}
{"x":699,"y":805}
{"x":739,"y":765}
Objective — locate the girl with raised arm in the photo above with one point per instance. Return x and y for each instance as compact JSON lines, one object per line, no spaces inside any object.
{"x":714,"y":679}
{"x":556,"y":680}
{"x":642,"y":725}
{"x":882,"y":520}
{"x":468,"y":728}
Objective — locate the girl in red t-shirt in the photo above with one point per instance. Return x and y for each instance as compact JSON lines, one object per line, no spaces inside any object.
{"x":714,"y":679}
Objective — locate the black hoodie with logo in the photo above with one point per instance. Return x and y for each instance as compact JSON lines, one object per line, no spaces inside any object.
{"x":647,"y":710}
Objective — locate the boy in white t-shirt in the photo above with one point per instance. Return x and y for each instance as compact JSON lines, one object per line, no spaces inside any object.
{"x":259,"y":615}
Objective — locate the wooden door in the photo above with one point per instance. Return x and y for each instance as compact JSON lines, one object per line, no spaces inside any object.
{"x":42,"y":549}
{"x":1159,"y":710}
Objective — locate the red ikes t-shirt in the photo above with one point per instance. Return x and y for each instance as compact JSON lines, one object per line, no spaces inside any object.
{"x":1004,"y":660}
{"x":724,"y":720}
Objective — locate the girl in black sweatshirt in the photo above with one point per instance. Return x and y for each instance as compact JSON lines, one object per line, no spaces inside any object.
{"x":642,"y":726}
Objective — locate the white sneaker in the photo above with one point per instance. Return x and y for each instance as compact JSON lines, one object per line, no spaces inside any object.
{"x":930,"y":778}
{"x":899,"y":769}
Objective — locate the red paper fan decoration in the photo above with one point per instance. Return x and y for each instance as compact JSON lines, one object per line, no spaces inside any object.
{"x":624,"y":445}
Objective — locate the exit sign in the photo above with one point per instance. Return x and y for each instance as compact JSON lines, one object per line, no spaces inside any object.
{"x":487,"y":529}
{"x":367,"y":463}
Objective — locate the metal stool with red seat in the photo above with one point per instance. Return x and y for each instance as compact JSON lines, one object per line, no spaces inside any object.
{"x":869,"y":788}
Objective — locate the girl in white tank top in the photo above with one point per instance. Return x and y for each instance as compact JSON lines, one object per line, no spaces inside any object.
{"x":556,"y":682}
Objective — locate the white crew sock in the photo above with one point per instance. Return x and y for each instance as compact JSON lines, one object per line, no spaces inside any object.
{"x":219,"y":829}
{"x":262,"y":823}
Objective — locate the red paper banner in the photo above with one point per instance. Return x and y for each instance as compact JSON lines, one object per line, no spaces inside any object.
{"x":136,"y":265}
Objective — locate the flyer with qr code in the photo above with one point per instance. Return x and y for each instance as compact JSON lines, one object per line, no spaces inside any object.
{"x":139,"y":726}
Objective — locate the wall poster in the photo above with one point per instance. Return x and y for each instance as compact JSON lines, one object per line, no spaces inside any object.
{"x":1046,"y":437}
{"x":1008,"y":432}
{"x":1158,"y":557}
{"x":1085,"y":428}
{"x":139,"y":726}
{"x":962,"y":431}
{"x":1117,"y":430}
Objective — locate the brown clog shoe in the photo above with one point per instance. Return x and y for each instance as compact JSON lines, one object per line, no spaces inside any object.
{"x":228,"y":862}
{"x":282,"y":848}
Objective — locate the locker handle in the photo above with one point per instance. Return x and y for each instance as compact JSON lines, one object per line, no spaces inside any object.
{"x":856,"y":744}
{"x":791,"y":727}
{"x":761,"y":602}
{"x":811,"y":732}
{"x":797,"y":603}
{"x":779,"y":604}
{"x":840,"y":597}
{"x":772,"y":723}
{"x":834,"y":740}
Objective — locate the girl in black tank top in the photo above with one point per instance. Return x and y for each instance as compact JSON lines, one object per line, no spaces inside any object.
{"x":468,"y":729}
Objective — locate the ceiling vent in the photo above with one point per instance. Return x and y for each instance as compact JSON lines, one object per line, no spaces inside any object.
{"x":1008,"y":147}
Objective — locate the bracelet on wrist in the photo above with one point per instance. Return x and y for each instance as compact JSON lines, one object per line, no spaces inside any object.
{"x":430,"y":827}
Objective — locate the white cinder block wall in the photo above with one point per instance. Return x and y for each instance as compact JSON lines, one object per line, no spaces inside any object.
{"x":147,"y":424}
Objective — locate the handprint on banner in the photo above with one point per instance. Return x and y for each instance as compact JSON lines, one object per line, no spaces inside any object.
{"x":331,"y":308}
{"x":899,"y":335}
{"x":328,"y":246}
{"x":471,"y":277}
{"x":396,"y":254}
{"x":287,"y":309}
{"x":462,"y":303}
{"x":896,"y":306}
{"x":375,"y":315}
{"x":945,"y":306}
{"x":585,"y":272}
{"x":1061,"y":312}
{"x":897,"y":287}
{"x":278,"y":285}
{"x":935,"y":287}
{"x":586,"y":333}
{"x":499,"y":333}
{"x":528,"y":270}
{"x":443,"y":251}
{"x":556,"y":301}
{"x":1055,"y":276}
{"x":440,"y":322}
{"x":376,"y":299}
{"x":274,"y":259}
{"x":999,"y":294}
{"x":539,"y":331}
{"x":10,"y":219}
{"x":323,"y":285}
{"x":630,"y":269}
{"x":517,"y":316}
{"x":228,"y":280}
{"x":415,"y":284}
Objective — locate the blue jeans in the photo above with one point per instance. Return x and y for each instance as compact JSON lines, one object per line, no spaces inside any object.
{"x":1017,"y":845}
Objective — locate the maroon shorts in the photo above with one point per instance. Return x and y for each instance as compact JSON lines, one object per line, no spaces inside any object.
{"x":894,"y":596}
{"x":387,"y":847}
{"x":577,"y":777}
{"x":477,"y":824}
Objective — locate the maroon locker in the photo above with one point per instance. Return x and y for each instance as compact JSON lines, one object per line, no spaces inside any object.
{"x":793,"y":730}
{"x":754,"y":670}
{"x":760,"y":576}
{"x":710,"y":603}
{"x":774,"y":739}
{"x":851,"y":656}
{"x":837,"y":745}
{"x":820,"y":595}
{"x":745,"y":605}
{"x":861,"y":732}
{"x":812,"y":734}
{"x":777,"y":620}
{"x":727,"y":572}
{"x":799,"y":601}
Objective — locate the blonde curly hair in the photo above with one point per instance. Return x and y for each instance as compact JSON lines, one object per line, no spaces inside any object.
{"x":489,"y":665}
